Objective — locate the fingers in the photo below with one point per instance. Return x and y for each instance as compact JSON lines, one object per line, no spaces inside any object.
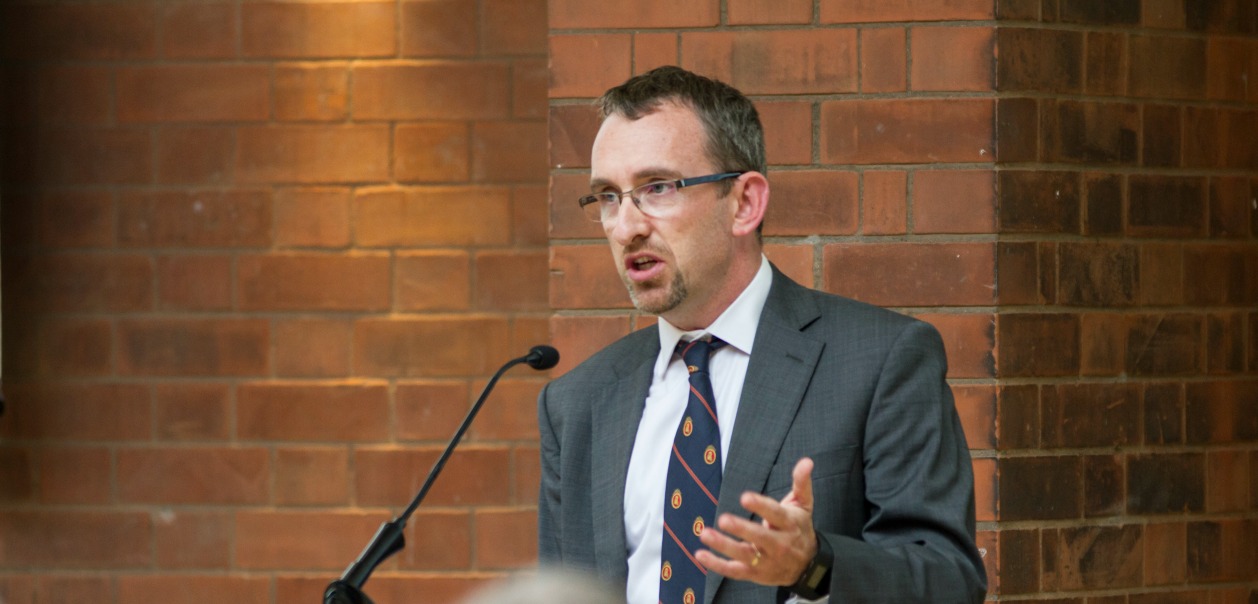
{"x":801,"y":490}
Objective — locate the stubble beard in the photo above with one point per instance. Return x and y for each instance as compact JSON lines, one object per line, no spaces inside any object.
{"x":676,"y":294}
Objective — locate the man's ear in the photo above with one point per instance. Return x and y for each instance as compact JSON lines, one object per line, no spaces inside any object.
{"x":752,"y":193}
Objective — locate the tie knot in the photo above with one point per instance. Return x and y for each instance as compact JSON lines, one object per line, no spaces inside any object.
{"x":696,"y":353}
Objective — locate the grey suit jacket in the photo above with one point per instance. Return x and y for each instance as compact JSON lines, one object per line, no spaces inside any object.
{"x":857,"y":388}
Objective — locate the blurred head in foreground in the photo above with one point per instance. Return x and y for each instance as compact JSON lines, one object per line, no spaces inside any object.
{"x":546,"y":586}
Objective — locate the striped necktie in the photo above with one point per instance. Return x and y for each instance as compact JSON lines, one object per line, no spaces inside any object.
{"x":694,"y":481}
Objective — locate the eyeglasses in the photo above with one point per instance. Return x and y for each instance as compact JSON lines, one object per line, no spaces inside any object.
{"x":655,"y":199}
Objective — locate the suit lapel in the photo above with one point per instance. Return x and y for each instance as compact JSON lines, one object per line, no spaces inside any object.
{"x":617,"y":411}
{"x":782,"y":363}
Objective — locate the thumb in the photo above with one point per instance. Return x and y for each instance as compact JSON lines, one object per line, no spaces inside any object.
{"x":801,"y":487}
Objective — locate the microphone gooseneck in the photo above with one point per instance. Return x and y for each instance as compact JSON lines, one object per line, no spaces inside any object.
{"x":389,"y":538}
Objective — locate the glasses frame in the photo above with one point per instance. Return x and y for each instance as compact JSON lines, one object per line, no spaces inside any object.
{"x":633,"y":193}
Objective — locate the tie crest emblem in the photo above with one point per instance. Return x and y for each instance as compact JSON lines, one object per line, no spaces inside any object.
{"x":688,"y":597}
{"x":697,"y":527}
{"x":709,"y":455}
{"x":675,"y":500}
{"x":691,"y":368}
{"x":666,"y":571}
{"x":687,"y":427}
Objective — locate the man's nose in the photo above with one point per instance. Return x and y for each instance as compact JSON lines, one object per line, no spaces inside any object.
{"x":630,"y":223}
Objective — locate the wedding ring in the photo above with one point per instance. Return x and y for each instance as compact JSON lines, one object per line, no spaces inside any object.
{"x":755,"y":560}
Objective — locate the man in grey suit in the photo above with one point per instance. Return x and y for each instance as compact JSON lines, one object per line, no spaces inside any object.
{"x":845,"y":471}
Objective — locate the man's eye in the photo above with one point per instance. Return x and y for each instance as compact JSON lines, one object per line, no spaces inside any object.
{"x":656,"y":188}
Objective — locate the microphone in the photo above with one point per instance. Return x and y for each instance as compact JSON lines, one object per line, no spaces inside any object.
{"x":389,"y":539}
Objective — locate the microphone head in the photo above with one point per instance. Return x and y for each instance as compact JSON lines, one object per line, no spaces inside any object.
{"x":542,"y":357}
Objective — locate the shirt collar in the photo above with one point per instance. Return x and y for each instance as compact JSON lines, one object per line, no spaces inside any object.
{"x":736,"y":325}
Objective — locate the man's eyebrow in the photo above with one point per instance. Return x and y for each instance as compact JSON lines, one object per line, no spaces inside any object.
{"x":641,"y":176}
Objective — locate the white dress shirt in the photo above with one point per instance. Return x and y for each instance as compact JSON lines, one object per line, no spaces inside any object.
{"x":665,"y":404}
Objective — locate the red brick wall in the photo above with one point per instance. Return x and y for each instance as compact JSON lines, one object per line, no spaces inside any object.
{"x":259,"y":258}
{"x":1064,"y":188}
{"x":1128,"y":300}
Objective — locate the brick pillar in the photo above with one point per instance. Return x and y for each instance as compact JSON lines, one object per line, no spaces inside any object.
{"x":1128,"y":273}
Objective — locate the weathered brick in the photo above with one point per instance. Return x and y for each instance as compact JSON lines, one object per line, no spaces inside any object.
{"x":79,"y":156}
{"x":1229,"y":61}
{"x":318,"y":30}
{"x":954,"y":201}
{"x":81,"y":31}
{"x":1075,"y":558}
{"x":1165,"y":483}
{"x":187,"y":589}
{"x":203,"y":475}
{"x":418,"y":91}
{"x":209,"y":347}
{"x":324,"y":412}
{"x":1165,"y":553}
{"x":311,"y":92}
{"x":1019,"y":561}
{"x":862,"y":11}
{"x":438,"y":540}
{"x":80,"y":281}
{"x":813,"y":203}
{"x":510,"y":280}
{"x":199,"y":31}
{"x":70,"y":219}
{"x":191,"y":411}
{"x":884,"y":59}
{"x":76,"y":411}
{"x":584,"y":65}
{"x":404,"y":347}
{"x":508,"y":151}
{"x":809,"y":61}
{"x":1017,"y":274}
{"x":430,"y":410}
{"x":1165,"y":345}
{"x":1228,"y":16}
{"x":514,"y":27}
{"x":884,"y":201}
{"x":1098,"y":274}
{"x":440,"y":28}
{"x":1221,"y":411}
{"x":929,"y":274}
{"x":57,"y":93}
{"x":1039,"y":60}
{"x":968,"y":340}
{"x":654,"y":49}
{"x":787,"y":132}
{"x":194,"y":282}
{"x":314,"y":281}
{"x":475,"y":475}
{"x":1115,"y":12}
{"x":953,"y":58}
{"x":1161,"y":274}
{"x":1039,"y":201}
{"x":312,"y":347}
{"x":54,"y":539}
{"x":1103,"y":204}
{"x":1018,"y":10}
{"x":1017,"y":129}
{"x":1225,"y":344}
{"x":310,"y":154}
{"x":572,"y":132}
{"x":433,"y":280}
{"x":194,"y":155}
{"x":274,"y":538}
{"x":312,"y":217}
{"x":74,"y":475}
{"x":505,"y":538}
{"x":906,"y":131}
{"x":764,"y":12}
{"x":530,"y":220}
{"x":195,"y":219}
{"x":1103,"y":343}
{"x":585,"y":276}
{"x":1227,"y":481}
{"x":432,"y":216}
{"x":1166,"y":67}
{"x":1106,"y":62}
{"x":530,"y":80}
{"x":1103,"y":485}
{"x":1018,"y":410}
{"x":576,"y":14}
{"x":1037,"y":345}
{"x":1230,"y":207}
{"x":1090,"y":133}
{"x":312,"y":475}
{"x":579,"y":337}
{"x":1163,"y":414}
{"x":1090,"y":415}
{"x":432,"y":152}
{"x":1041,"y":488}
{"x":1222,"y":550}
{"x":193,"y":93}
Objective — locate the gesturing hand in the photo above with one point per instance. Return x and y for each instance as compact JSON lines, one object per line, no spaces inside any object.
{"x":774,"y":551}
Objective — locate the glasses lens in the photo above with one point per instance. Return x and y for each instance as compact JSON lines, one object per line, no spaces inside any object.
{"x":598,"y":205}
